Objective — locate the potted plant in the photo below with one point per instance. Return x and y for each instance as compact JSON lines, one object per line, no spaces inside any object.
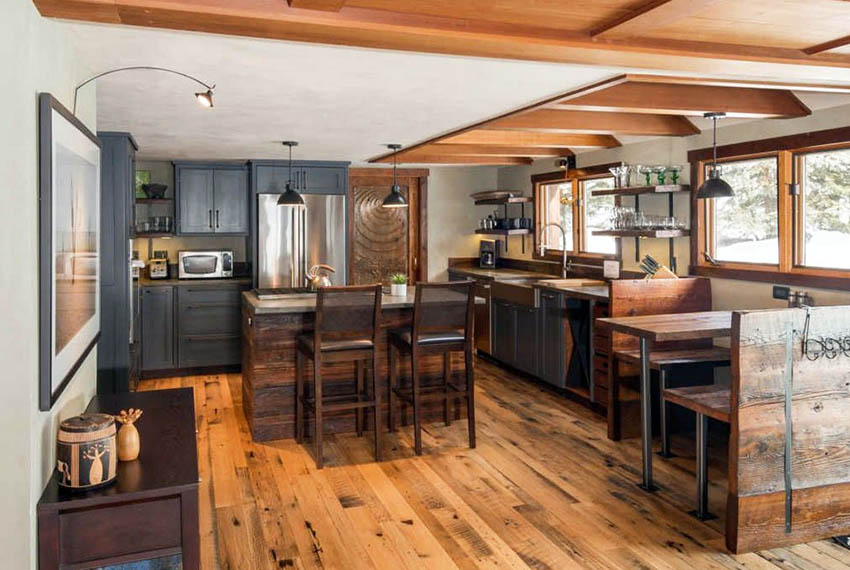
{"x":398,"y":285}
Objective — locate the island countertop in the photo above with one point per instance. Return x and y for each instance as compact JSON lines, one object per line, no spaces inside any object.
{"x":306,"y":302}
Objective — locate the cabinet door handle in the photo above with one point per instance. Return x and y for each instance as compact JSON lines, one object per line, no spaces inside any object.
{"x":304,"y":178}
{"x":216,"y":219}
{"x":210,"y":215}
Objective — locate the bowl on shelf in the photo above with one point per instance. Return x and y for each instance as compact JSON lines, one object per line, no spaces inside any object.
{"x":492,"y":195}
{"x":155,"y":191}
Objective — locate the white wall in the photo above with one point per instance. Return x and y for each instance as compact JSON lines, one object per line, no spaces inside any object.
{"x":35,"y":57}
{"x":452,"y":217}
{"x":728,"y":294}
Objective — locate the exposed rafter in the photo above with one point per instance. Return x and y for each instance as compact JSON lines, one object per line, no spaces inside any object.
{"x":493,"y":150}
{"x":325,"y":5}
{"x":590,"y":122}
{"x":533,"y":139}
{"x":692,"y":100}
{"x":826,"y":46}
{"x":426,"y":157}
{"x":650,"y":15}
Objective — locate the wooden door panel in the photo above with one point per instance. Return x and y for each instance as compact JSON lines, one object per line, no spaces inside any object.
{"x":380,"y":235}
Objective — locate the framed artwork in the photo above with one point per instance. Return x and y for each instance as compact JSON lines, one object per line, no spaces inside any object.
{"x":69,"y":243}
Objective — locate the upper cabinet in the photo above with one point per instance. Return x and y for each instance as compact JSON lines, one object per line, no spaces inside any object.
{"x":313,"y":177}
{"x":211,"y":198}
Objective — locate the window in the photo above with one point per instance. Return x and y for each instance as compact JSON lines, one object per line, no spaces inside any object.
{"x":789,"y":220}
{"x":746,"y":225}
{"x":824,"y":210}
{"x":557,"y":207}
{"x":598,"y":211}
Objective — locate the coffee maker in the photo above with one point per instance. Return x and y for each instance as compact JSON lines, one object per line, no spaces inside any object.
{"x":489,"y":251}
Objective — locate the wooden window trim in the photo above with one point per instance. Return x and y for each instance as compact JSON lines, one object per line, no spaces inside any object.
{"x":573,"y":176}
{"x":788,"y":150}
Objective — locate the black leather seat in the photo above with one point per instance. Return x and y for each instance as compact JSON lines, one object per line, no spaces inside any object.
{"x":429,"y":338}
{"x":338,"y":344}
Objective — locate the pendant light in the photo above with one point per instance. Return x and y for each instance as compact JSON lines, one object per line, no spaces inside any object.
{"x":714,"y":186}
{"x":394,"y":199}
{"x":290,"y":198}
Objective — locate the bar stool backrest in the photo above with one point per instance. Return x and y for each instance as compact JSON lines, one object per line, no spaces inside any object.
{"x":348,"y":312}
{"x":444,"y":307}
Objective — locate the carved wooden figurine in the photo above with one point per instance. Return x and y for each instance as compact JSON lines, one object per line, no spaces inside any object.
{"x":128,"y":435}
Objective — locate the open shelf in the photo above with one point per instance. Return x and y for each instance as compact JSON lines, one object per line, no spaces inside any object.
{"x":153,"y":200}
{"x":494,"y":232}
{"x":637,"y":190}
{"x":645,"y":233}
{"x":501,"y":201}
{"x":154,"y":234}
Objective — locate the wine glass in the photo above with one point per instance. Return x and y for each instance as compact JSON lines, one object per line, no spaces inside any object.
{"x":660,"y":173}
{"x":647,"y":173}
{"x":674,"y":173}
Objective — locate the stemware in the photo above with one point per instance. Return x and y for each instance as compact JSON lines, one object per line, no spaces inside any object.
{"x":621,"y":175}
{"x":674,"y":173}
{"x":647,"y":173}
{"x":660,"y":172}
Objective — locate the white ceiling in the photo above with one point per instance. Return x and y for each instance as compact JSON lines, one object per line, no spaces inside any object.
{"x":340,"y":103}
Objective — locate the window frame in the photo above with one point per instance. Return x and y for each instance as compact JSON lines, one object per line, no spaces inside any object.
{"x":573,"y":177}
{"x":789,"y":151}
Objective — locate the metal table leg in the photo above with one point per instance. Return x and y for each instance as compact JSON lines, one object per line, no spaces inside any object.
{"x":646,"y":416}
{"x":701,"y":511}
{"x":664,"y":418}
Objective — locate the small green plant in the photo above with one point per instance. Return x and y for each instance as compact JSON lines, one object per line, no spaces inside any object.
{"x":398,"y":279}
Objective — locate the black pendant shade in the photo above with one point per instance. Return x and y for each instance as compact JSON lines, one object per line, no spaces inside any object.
{"x":394,"y":199}
{"x":714,"y":186}
{"x":290,"y":198}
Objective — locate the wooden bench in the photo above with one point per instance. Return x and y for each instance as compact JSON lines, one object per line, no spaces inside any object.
{"x":662,"y":361}
{"x":708,"y":402}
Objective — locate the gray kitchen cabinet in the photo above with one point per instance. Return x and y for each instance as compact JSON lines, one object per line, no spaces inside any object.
{"x":323,"y":180}
{"x":209,"y":322}
{"x":310,"y":177}
{"x":503,"y":331}
{"x":230,"y":199}
{"x":551,"y":366}
{"x":195,"y":201}
{"x":525,"y":339}
{"x":211,"y":199}
{"x":157,"y":328}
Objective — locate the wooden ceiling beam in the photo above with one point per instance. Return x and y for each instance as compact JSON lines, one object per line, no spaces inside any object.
{"x":490,"y":150}
{"x":590,"y":122}
{"x":690,"y":100}
{"x":325,"y":5}
{"x":385,"y":29}
{"x":649,"y":16}
{"x":744,"y":83}
{"x":529,"y":139}
{"x":426,"y":157}
{"x":826,"y":46}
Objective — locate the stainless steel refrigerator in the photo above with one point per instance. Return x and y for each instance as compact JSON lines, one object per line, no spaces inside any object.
{"x":291,"y":240}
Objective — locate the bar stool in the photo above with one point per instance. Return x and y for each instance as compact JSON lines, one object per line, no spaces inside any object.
{"x":348,"y":320}
{"x":443,"y":317}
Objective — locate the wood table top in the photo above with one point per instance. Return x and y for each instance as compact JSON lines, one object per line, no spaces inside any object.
{"x":679,"y":326}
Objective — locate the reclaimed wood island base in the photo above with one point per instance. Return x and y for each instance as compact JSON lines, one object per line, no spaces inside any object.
{"x":269,"y":329}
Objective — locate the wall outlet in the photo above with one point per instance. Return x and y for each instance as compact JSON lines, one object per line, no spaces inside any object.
{"x":611,"y":269}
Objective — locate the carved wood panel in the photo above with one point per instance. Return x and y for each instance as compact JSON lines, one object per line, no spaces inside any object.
{"x":380,"y":235}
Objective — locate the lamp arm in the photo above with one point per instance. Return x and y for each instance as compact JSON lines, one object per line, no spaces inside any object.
{"x":148,"y":67}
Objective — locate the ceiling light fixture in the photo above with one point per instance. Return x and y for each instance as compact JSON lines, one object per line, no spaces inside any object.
{"x":290,"y":198}
{"x":394,"y":199}
{"x":205,"y":98}
{"x":714,"y":186}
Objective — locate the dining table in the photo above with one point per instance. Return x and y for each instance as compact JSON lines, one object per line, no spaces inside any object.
{"x":653,"y":329}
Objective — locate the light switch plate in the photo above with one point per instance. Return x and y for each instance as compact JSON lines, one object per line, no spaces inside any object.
{"x":611,"y":269}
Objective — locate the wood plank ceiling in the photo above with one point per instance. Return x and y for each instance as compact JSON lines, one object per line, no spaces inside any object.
{"x":592,"y":117}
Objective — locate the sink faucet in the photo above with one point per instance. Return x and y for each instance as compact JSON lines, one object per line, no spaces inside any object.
{"x":565,"y":265}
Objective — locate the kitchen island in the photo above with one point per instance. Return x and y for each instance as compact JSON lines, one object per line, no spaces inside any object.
{"x":269,"y":329}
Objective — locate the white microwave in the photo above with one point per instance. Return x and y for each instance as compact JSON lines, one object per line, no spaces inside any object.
{"x":204,"y":264}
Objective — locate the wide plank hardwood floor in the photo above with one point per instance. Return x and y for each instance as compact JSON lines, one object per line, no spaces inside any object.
{"x":544,"y":489}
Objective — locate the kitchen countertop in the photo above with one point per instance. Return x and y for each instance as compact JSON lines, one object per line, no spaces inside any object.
{"x":499,"y":273}
{"x":306,"y":302}
{"x":148,"y":282}
{"x":595,"y":292}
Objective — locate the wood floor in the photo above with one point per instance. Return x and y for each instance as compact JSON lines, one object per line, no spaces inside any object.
{"x":544,"y":489}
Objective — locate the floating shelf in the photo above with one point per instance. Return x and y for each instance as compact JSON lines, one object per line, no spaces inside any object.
{"x":494,"y":232}
{"x":637,"y":190}
{"x":661,"y":233}
{"x":153,"y":200}
{"x":501,"y":201}
{"x":154,"y":234}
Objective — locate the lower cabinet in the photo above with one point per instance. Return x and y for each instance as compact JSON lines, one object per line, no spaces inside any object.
{"x":552,"y":339}
{"x":514,"y":335}
{"x":157,"y":328}
{"x":187,"y":326}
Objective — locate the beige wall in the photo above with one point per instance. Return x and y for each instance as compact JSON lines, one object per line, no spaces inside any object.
{"x":35,"y":57}
{"x":728,"y":294}
{"x":452,"y":217}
